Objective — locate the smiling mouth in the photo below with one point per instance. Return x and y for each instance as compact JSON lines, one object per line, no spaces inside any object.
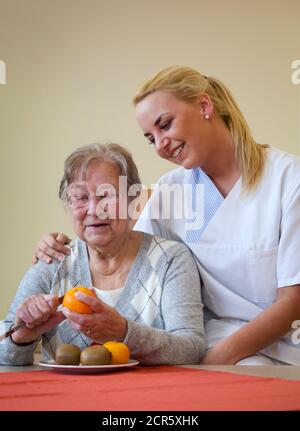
{"x":97,"y":225}
{"x":176,"y":153}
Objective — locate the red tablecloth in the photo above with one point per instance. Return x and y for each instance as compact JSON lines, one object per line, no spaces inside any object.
{"x":146,"y":388}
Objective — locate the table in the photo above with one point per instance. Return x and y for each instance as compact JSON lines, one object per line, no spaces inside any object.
{"x":277,"y":371}
{"x":283,"y":372}
{"x":164,"y":388}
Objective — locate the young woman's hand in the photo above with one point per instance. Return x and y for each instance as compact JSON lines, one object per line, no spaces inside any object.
{"x":51,"y":246}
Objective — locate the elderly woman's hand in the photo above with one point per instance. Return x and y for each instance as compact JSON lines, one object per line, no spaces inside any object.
{"x":103,"y":324}
{"x":40,"y":315}
{"x":51,"y":246}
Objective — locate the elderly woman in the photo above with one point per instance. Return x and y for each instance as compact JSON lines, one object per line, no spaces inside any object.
{"x":147,"y":288}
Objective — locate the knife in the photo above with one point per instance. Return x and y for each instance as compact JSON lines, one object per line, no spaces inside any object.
{"x":20,"y":325}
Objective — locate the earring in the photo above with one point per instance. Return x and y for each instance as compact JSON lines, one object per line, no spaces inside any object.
{"x":206,"y":116}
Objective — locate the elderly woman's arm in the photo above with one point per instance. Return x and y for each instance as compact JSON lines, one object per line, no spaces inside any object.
{"x":182,"y":341}
{"x":19,"y":349}
{"x":265,"y":329}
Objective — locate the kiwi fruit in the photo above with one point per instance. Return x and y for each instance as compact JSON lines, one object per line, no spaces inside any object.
{"x":67,"y":354}
{"x":95,"y":355}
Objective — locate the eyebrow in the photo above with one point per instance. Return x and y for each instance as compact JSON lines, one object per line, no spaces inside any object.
{"x":156,"y":122}
{"x":77,"y":184}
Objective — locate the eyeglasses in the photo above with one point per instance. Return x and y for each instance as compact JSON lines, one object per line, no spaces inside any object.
{"x":79,"y":197}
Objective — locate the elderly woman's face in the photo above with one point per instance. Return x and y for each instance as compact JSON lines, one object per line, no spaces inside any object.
{"x":96,"y":218}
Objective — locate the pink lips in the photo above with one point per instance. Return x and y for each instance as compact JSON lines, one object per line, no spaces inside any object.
{"x":97,"y":226}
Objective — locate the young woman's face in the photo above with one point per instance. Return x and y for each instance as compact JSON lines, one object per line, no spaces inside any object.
{"x":177,"y":129}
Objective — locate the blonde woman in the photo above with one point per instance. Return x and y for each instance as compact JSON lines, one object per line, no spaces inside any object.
{"x":247,"y":198}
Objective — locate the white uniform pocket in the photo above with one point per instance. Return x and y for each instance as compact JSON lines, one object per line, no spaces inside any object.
{"x":263,"y":275}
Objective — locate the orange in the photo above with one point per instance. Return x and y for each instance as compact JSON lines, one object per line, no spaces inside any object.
{"x":74,"y":304}
{"x":119,"y":352}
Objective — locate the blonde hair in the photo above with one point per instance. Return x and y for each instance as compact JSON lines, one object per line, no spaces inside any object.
{"x":186,"y":84}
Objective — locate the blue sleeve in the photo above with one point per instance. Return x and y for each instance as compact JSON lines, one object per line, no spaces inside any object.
{"x":148,"y":222}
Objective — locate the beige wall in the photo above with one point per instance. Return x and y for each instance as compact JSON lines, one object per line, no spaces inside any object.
{"x":73,"y":67}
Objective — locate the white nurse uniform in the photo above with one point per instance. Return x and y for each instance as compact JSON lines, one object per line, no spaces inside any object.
{"x":246,"y":245}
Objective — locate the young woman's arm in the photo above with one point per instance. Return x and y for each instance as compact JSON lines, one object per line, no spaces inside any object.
{"x":265,"y":329}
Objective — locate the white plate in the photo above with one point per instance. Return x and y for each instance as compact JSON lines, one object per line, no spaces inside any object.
{"x":86,"y":369}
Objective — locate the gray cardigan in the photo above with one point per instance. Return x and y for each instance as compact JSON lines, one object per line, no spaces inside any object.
{"x":161,"y":300}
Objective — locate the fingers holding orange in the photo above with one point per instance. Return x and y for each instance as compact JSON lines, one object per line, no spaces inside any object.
{"x":89,"y":315}
{"x":73,"y":304}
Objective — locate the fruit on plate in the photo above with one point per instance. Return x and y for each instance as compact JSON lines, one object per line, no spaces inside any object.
{"x":120,"y":353}
{"x":67,"y":354}
{"x":95,"y":355}
{"x":73,"y":304}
